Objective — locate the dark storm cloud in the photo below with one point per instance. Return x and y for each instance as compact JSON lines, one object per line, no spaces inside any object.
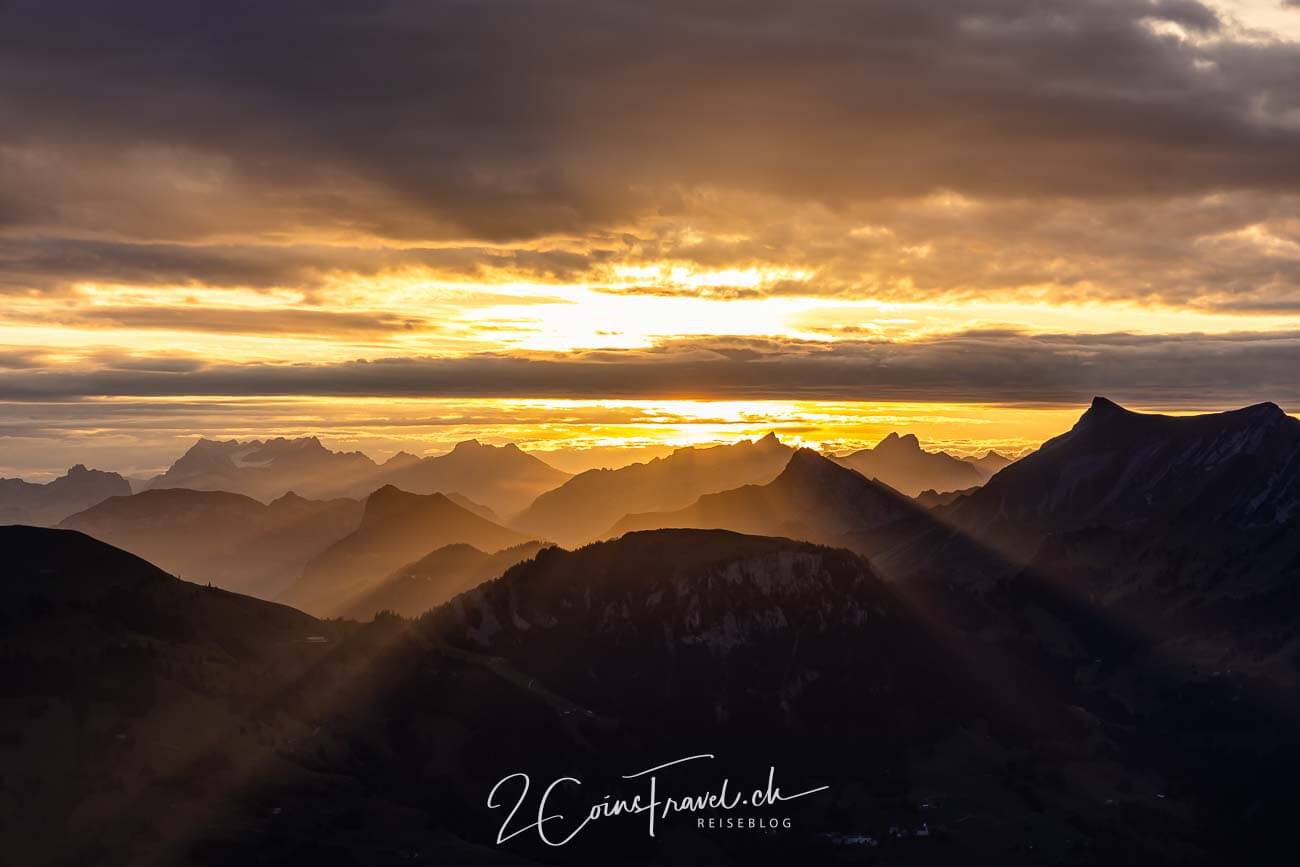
{"x":978,"y":366}
{"x":514,"y":119}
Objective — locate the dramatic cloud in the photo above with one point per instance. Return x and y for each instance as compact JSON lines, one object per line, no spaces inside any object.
{"x":518,"y":119}
{"x":962,"y":200}
{"x":1187,"y":370}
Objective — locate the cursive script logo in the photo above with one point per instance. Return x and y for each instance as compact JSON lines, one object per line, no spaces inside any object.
{"x":551,"y":827}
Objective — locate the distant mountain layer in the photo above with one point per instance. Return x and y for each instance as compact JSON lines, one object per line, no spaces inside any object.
{"x":41,"y":505}
{"x":502,"y":478}
{"x":226,"y":539}
{"x":931,"y":498}
{"x":990,"y":464}
{"x":899,"y":462}
{"x":813,"y":498}
{"x":587,"y":505}
{"x":437,"y":577}
{"x":396,"y":528}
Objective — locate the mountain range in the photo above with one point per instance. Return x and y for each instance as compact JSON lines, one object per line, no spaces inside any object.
{"x":505,"y":479}
{"x":900,"y":462}
{"x":588,"y":504}
{"x":813,"y":499}
{"x":396,"y":528}
{"x":216,"y":537}
{"x":1091,"y":657}
{"x":41,"y":505}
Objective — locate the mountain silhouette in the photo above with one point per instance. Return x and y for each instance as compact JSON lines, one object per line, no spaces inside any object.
{"x":134,"y":701}
{"x":396,"y":528}
{"x":1116,"y":468}
{"x":503,"y":479}
{"x":229,"y":540}
{"x":714,"y":629}
{"x":24,"y":502}
{"x":296,"y":739}
{"x":267,"y":469}
{"x":990,"y":464}
{"x":587,"y":505}
{"x":436,"y":577}
{"x":900,"y":462}
{"x":931,"y":498}
{"x":813,"y":498}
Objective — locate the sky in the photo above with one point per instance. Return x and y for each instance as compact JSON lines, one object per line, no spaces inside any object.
{"x":621,"y":227}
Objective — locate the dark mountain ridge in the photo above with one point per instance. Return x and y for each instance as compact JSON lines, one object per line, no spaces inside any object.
{"x":1116,"y":468}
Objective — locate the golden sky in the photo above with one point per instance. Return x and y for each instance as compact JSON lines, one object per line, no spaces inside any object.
{"x":618,"y":228}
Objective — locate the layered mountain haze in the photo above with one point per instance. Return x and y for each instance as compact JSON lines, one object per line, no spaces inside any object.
{"x":396,"y":528}
{"x":1060,"y":651}
{"x":228,"y":730}
{"x":990,"y":464}
{"x":900,"y":462}
{"x":436,"y":577}
{"x":587,"y":505}
{"x":813,"y":499}
{"x":226,"y":539}
{"x":268,"y":469}
{"x":932,"y":498}
{"x":154,"y":721}
{"x":24,"y":502}
{"x":503,"y":479}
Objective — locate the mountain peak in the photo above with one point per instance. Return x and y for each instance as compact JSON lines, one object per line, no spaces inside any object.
{"x":467,"y":446}
{"x":768,"y":440}
{"x":390,"y":503}
{"x":906,"y":441}
{"x":1265,"y":411}
{"x":1104,"y":406}
{"x":806,"y":458}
